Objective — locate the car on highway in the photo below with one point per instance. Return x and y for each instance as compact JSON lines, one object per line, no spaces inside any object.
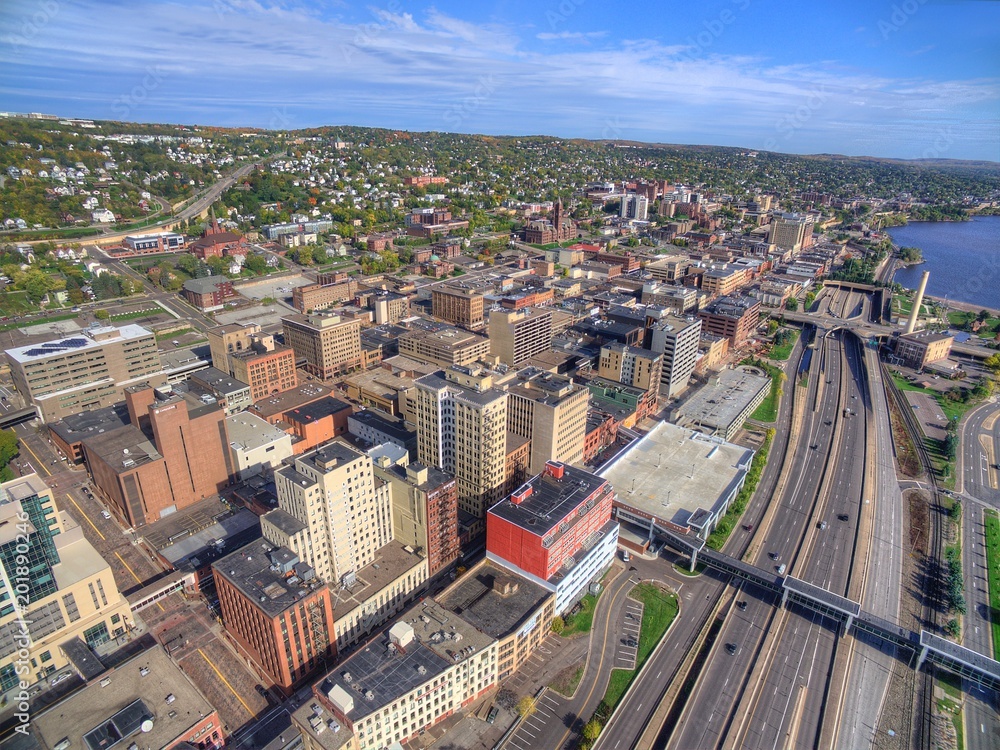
{"x":733,"y":648}
{"x":742,"y":605}
{"x":781,"y":569}
{"x":821,"y":525}
{"x":843,"y":517}
{"x":774,"y":556}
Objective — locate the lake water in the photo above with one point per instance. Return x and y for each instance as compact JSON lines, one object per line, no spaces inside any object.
{"x":962,"y":256}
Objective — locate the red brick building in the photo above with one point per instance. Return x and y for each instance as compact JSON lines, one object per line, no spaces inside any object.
{"x":208,"y":293}
{"x":316,"y":423}
{"x":424,"y":179}
{"x":266,"y":370}
{"x":734,"y":318}
{"x":276,"y":611}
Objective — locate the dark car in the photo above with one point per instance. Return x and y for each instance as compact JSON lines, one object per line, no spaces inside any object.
{"x":742,"y":605}
{"x":492,"y":715}
{"x":733,"y":648}
{"x":844,"y":517}
{"x":262,"y":691}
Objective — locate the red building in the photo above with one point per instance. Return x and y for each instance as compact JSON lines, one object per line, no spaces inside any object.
{"x":424,"y":179}
{"x":276,"y":611}
{"x":216,"y":242}
{"x":208,"y":293}
{"x":546,"y":520}
{"x":315,"y":423}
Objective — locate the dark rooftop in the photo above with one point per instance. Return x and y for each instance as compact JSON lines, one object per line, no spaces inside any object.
{"x":249,"y":570}
{"x":214,"y":379}
{"x":479,"y":598}
{"x":316,"y":410}
{"x":290,"y":399}
{"x":122,"y":449}
{"x":550,"y":500}
{"x":75,"y":427}
{"x":384,"y":423}
{"x":286,"y":522}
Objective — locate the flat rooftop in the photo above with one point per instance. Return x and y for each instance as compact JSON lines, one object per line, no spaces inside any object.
{"x":227,"y":534}
{"x":122,"y":449}
{"x":75,"y":427}
{"x":478,"y":597}
{"x":316,"y":410}
{"x":96,"y":717}
{"x":550,"y":499}
{"x":440,"y":639}
{"x":250,"y":570}
{"x":248,"y":431}
{"x":279,"y":403}
{"x":384,"y":423}
{"x":90,"y":338}
{"x":721,"y":401}
{"x":673,"y":472}
{"x":391,"y":562}
{"x":215,"y":379}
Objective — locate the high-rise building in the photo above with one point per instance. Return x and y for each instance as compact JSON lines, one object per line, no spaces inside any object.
{"x":462,"y":428}
{"x":85,"y":371}
{"x":634,"y":206}
{"x":518,"y":335}
{"x":631,"y":365}
{"x":677,"y":340}
{"x":277,"y":611}
{"x":556,"y":530}
{"x":346,"y":517}
{"x":252,"y":357}
{"x":330,"y":344}
{"x":551,"y":410}
{"x":461,"y":304}
{"x":424,"y":508}
{"x":791,"y":231}
{"x":174,"y":452}
{"x":54,"y":586}
{"x":734,"y":317}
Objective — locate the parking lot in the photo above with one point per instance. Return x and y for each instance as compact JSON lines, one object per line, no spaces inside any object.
{"x":628,"y":627}
{"x":549,"y":709}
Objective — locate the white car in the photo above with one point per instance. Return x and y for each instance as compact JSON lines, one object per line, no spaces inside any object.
{"x":106,"y":514}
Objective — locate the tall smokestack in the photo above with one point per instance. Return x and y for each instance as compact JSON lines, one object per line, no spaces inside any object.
{"x":917,"y":302}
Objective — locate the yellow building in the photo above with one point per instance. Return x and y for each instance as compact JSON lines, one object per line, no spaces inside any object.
{"x":54,"y":587}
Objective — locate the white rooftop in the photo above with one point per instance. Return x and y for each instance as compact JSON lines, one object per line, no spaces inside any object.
{"x":76,"y":342}
{"x":248,"y":432}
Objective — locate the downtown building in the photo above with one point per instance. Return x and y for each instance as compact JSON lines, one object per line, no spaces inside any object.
{"x":461,"y":423}
{"x":551,"y":411}
{"x":677,"y":340}
{"x":734,"y":317}
{"x":458,"y":303}
{"x":277,"y":611}
{"x":791,"y":231}
{"x":252,"y":357}
{"x":173,"y":453}
{"x":518,"y":335}
{"x":330,"y":343}
{"x":336,"y":516}
{"x":86,"y":371}
{"x":555,"y":530}
{"x":58,"y":597}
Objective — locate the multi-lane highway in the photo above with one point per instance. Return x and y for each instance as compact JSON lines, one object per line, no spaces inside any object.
{"x":765,"y":681}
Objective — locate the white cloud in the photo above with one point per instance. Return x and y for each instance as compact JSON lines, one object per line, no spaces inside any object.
{"x":546,"y":36}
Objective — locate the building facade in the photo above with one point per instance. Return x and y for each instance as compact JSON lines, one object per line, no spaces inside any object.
{"x":677,"y":340}
{"x":734,"y":318}
{"x":630,"y":365}
{"x":330,"y":344}
{"x":87,"y":371}
{"x":551,"y":411}
{"x":556,"y":530}
{"x":458,"y":303}
{"x":518,"y":335}
{"x":277,"y":611}
{"x":461,"y":428}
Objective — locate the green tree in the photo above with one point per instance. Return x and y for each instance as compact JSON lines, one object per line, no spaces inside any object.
{"x":187,"y":263}
{"x":558,"y":625}
{"x":8,"y":446}
{"x":102,"y":314}
{"x":792,"y":303}
{"x":591,"y":730}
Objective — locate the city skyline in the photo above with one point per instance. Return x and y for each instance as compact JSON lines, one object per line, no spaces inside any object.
{"x":907,"y":80}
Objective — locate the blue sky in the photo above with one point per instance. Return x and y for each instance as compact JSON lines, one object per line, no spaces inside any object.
{"x":909,"y":78}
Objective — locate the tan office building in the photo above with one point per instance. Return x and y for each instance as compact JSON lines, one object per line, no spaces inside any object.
{"x":85,"y":371}
{"x":459,"y":304}
{"x":254,"y":358}
{"x":462,"y":428}
{"x":518,"y":335}
{"x":631,"y":365}
{"x":330,"y":344}
{"x":67,"y":588}
{"x":550,"y":410}
{"x":444,"y":346}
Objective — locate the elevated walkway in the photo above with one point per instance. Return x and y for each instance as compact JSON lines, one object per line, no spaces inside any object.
{"x":924,"y":645}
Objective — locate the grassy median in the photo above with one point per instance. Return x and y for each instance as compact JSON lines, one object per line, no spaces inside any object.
{"x":659,"y":610}
{"x":993,"y":574}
